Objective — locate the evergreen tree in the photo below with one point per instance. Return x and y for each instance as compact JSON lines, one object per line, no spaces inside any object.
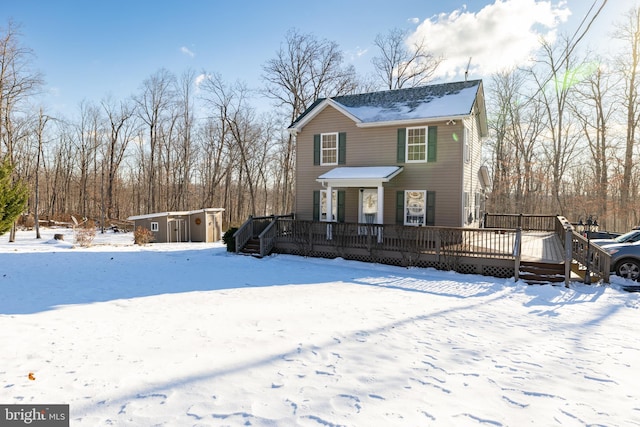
{"x":13,"y":197}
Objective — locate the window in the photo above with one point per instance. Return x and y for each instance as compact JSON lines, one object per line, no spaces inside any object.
{"x":154,"y":226}
{"x":329,"y":149}
{"x":323,"y":205}
{"x":478,"y":199}
{"x":416,"y":144}
{"x":415,"y":207}
{"x":466,"y":148}
{"x":468,"y":216}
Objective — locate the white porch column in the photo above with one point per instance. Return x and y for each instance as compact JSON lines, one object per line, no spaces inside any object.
{"x":330,"y":204}
{"x":380,"y":204}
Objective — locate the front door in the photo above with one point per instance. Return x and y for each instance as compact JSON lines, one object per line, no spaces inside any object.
{"x":368,"y":212}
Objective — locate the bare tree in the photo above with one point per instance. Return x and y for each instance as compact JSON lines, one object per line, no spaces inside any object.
{"x":184,"y":150}
{"x":401,"y":64}
{"x":516,"y":127}
{"x":17,"y":83}
{"x":594,"y":111}
{"x":154,"y":101}
{"x":629,"y":66}
{"x":557,"y":74}
{"x":303,"y":70}
{"x":213,"y":164}
{"x":86,"y":142}
{"x":231,"y":103}
{"x":42,"y":121}
{"x":121,"y":129}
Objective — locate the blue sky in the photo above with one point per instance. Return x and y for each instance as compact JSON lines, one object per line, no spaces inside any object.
{"x":91,"y":49}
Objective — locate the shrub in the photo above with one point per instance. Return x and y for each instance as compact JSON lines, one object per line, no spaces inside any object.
{"x":228,"y":239}
{"x":142,"y":236}
{"x":84,"y":235}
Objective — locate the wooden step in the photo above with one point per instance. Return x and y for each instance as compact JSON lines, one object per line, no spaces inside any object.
{"x":252,"y":247}
{"x":537,"y":273}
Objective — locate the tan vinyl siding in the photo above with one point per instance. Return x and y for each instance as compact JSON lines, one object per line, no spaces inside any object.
{"x":198,"y":232}
{"x":158,"y":236}
{"x":471,"y":169}
{"x":376,"y":146}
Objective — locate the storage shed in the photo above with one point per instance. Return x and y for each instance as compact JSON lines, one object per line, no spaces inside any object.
{"x":202,"y":225}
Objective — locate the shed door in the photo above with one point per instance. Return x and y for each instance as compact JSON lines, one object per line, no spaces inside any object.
{"x":178,"y":230}
{"x":210,"y":228}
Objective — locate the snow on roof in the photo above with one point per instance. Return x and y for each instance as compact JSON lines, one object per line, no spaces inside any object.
{"x":453,"y":104}
{"x":443,"y":100}
{"x":364,"y":176}
{"x":177,"y":213}
{"x":363,"y":172}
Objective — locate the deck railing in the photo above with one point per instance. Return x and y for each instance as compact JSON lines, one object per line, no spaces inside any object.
{"x":494,"y":250}
{"x":258,"y":227}
{"x":598,"y":260}
{"x":526,"y":222}
{"x":461,"y":249}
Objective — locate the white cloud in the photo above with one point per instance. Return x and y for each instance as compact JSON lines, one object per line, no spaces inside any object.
{"x":499,"y":36}
{"x":200,"y":78}
{"x":187,"y":52}
{"x":414,"y":20}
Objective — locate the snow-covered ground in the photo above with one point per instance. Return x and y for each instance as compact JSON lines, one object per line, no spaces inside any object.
{"x":190,"y":335}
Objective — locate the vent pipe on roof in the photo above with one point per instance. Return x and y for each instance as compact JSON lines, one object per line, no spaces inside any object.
{"x":466,"y":72}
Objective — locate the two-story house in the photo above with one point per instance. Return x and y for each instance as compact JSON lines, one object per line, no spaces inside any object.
{"x":406,"y":156}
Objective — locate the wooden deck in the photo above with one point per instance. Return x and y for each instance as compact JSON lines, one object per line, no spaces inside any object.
{"x":542,"y":246}
{"x":499,"y":252}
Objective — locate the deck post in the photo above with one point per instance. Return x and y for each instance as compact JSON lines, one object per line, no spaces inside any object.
{"x":568,"y":254}
{"x":517,"y":249}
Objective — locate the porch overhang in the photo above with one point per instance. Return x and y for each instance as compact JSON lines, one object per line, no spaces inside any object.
{"x":359,"y":176}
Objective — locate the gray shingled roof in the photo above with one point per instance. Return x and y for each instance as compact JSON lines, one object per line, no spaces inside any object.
{"x":424,"y":102}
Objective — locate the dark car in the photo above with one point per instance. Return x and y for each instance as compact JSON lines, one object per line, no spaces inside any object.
{"x":603,"y":235}
{"x":630,"y":237}
{"x":625,"y":259}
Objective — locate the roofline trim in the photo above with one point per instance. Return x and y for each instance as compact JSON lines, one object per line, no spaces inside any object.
{"x":316,"y":110}
{"x":178,"y":213}
{"x":412,"y":121}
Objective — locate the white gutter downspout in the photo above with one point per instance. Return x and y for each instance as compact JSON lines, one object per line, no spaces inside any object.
{"x":380,"y":204}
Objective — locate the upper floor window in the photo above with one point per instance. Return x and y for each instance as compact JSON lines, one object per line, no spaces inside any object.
{"x":417,"y":144}
{"x":329,"y":149}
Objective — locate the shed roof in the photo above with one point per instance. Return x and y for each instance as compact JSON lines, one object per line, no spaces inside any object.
{"x":175,"y":213}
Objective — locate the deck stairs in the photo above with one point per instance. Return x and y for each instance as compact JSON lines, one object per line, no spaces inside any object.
{"x":580,"y":271}
{"x":541,"y":273}
{"x":252,"y":247}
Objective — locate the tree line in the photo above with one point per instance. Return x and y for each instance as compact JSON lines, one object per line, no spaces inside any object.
{"x":562,"y":132}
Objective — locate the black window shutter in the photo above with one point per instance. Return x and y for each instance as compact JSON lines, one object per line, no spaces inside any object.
{"x":402,"y":138}
{"x":432,"y":143}
{"x":316,"y":149}
{"x":431,"y":208}
{"x":341,"y":197}
{"x":399,"y":207}
{"x":342,"y":148}
{"x":316,"y":205}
